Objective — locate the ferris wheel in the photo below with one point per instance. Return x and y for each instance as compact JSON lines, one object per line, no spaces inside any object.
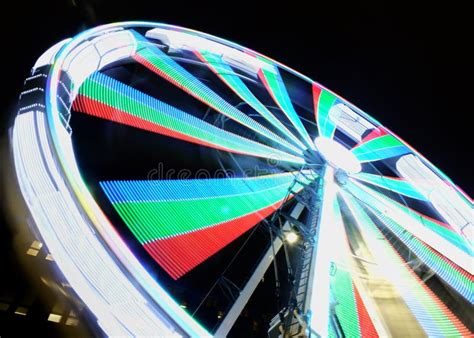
{"x":147,"y":153}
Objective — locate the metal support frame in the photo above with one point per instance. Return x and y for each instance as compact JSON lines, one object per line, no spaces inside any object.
{"x":318,"y":297}
{"x":296,"y":322}
{"x":230,"y":290}
{"x":256,"y":277}
{"x":302,"y":227}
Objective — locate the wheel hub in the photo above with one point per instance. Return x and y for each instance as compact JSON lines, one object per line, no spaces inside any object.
{"x":337,"y":156}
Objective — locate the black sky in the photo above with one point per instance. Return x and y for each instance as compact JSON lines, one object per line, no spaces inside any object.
{"x":399,"y":63}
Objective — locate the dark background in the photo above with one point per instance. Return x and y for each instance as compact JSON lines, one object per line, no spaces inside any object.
{"x":400,"y":63}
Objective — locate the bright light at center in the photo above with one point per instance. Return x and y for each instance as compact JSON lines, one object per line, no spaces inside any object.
{"x":337,"y":155}
{"x":291,"y":237}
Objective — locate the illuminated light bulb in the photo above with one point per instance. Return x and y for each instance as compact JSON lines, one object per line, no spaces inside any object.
{"x":291,"y":237}
{"x":337,"y":155}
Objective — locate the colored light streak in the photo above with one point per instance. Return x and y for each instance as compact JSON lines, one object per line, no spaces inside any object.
{"x":160,"y":301}
{"x":366,"y":324}
{"x":193,"y":41}
{"x":323,"y":101}
{"x":119,"y":307}
{"x":345,"y":308}
{"x":379,"y":148}
{"x":377,"y":132}
{"x":436,"y":170}
{"x":344,"y":298}
{"x":273,"y":82}
{"x":158,"y":62}
{"x":225,"y":72}
{"x":459,"y":279}
{"x":394,"y":184}
{"x":348,"y":306}
{"x":162,"y":215}
{"x":174,"y":254}
{"x":436,"y":234}
{"x":104,"y":97}
{"x":171,"y":216}
{"x":434,"y":317}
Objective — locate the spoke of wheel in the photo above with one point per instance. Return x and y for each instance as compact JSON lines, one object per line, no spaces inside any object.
{"x":323,"y":101}
{"x":395,"y":184}
{"x":348,"y":304}
{"x":170,"y":216}
{"x":436,"y":234}
{"x":434,"y":317}
{"x":106,"y":98}
{"x":379,"y":148}
{"x":161,"y":64}
{"x":458,"y":278}
{"x":272,"y":80}
{"x":225,"y":72}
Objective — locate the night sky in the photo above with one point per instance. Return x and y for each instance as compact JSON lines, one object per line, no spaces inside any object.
{"x":401,"y":64}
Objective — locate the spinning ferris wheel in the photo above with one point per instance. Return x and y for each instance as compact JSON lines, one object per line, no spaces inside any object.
{"x":241,"y":142}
